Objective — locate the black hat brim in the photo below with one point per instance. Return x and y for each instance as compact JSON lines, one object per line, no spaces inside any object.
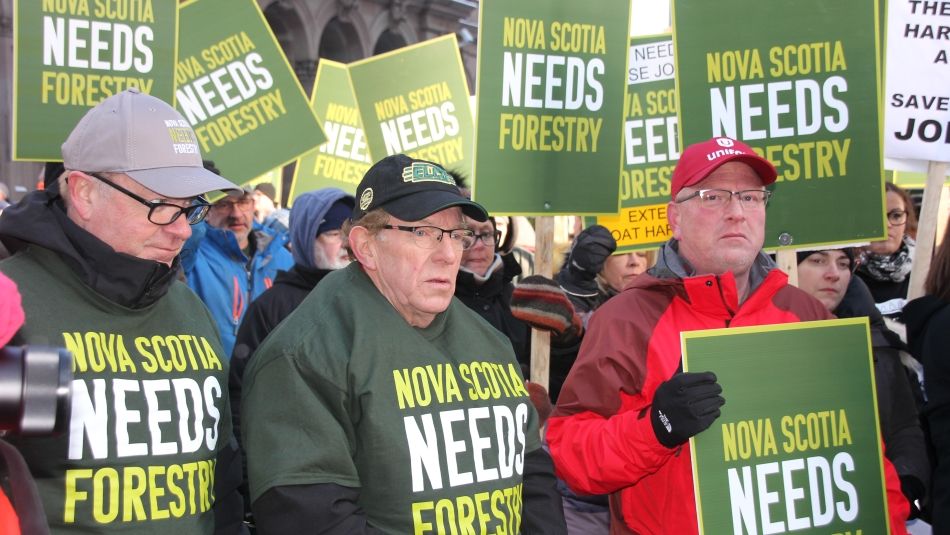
{"x":422,"y":204}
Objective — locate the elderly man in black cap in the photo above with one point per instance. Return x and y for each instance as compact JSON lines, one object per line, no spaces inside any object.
{"x":410,"y":413}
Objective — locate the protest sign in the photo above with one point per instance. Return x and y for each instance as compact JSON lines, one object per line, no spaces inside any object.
{"x":797,"y":446}
{"x":236,"y":89}
{"x":651,"y":147}
{"x":414,"y":101}
{"x":344,"y":158}
{"x":800,"y":83}
{"x":917,"y":97}
{"x":69,"y":56}
{"x":551,"y":81}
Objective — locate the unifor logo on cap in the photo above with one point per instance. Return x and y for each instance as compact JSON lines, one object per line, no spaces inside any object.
{"x":366,"y":199}
{"x":425,"y":172}
{"x":725,"y":142}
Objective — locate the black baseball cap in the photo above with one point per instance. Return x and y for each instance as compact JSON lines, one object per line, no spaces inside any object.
{"x":411,"y":190}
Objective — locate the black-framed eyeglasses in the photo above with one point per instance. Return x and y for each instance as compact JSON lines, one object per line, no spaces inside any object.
{"x":429,"y":237}
{"x":897,"y":217}
{"x":165,"y":213}
{"x":749,"y":199}
{"x":488,"y":238}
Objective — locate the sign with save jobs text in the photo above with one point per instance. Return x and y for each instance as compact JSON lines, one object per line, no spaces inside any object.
{"x":799,"y":82}
{"x":650,"y":146}
{"x":551,"y":81}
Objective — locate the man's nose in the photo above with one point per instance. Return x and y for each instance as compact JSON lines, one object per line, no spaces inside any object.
{"x":179,"y":228}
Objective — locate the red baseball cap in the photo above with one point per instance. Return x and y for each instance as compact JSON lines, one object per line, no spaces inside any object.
{"x":701,"y":159}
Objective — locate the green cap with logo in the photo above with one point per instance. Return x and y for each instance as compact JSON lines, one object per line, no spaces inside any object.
{"x":411,"y":190}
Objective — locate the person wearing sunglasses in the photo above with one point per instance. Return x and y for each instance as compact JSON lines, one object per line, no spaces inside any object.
{"x":408,"y":407}
{"x":96,"y":260}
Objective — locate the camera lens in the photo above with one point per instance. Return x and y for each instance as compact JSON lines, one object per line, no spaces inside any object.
{"x":34,"y":389}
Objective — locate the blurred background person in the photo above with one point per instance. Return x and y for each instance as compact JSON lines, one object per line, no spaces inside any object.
{"x":826,"y":276}
{"x":230,"y":260}
{"x":267,"y":210}
{"x":928,"y":333}
{"x":885,"y":265}
{"x":484,"y":284}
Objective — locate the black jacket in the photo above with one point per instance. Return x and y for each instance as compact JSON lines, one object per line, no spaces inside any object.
{"x":40,"y":219}
{"x":491,"y":299}
{"x":903,"y":437}
{"x":928,"y":333}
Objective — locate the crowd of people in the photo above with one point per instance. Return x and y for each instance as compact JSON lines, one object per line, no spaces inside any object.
{"x":361,"y":363}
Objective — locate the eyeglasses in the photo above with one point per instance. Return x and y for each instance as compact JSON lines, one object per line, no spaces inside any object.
{"x":165,"y":213}
{"x":225,"y":205}
{"x":897,"y":217}
{"x":749,"y":199}
{"x":488,"y":239}
{"x":429,"y":237}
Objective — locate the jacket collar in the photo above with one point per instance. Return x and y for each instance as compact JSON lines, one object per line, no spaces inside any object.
{"x":40,"y":219}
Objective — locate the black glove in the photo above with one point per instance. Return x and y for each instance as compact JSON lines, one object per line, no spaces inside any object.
{"x":914,"y":490}
{"x":591,"y":249}
{"x":685,"y":405}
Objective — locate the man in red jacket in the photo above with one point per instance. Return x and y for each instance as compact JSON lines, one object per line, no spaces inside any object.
{"x":626,"y":412}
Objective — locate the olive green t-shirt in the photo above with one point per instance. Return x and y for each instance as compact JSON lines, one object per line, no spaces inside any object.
{"x":149,"y":405}
{"x":432,"y":425}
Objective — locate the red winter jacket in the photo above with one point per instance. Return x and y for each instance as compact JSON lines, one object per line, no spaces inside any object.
{"x":600,"y":434}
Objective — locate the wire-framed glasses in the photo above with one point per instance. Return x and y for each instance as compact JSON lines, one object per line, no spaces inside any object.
{"x":429,"y":237}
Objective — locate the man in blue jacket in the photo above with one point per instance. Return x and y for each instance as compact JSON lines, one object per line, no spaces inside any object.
{"x":230,"y":261}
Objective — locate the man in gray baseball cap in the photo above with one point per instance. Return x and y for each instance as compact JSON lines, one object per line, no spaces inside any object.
{"x":97,"y":264}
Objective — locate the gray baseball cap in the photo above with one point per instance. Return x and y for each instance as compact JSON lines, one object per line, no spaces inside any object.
{"x":142,"y":136}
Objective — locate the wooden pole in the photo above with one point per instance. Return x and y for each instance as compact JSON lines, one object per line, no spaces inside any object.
{"x":927,"y":228}
{"x":544,"y":266}
{"x":787,"y":261}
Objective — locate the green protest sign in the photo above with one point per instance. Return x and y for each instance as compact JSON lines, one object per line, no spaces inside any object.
{"x":69,"y":56}
{"x":651,"y":148}
{"x":799,"y":83}
{"x":344,"y":158}
{"x":551,"y":82}
{"x":237,"y":90}
{"x":414,"y":101}
{"x":797,"y":446}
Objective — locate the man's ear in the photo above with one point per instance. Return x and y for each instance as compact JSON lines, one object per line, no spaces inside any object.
{"x":363,"y":247}
{"x":673,"y":218}
{"x":83,"y":192}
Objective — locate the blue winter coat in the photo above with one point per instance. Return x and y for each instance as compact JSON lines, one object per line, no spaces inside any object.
{"x":226,"y":279}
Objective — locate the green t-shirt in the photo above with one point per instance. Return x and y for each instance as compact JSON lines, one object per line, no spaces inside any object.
{"x":431,"y":425}
{"x":149,"y":405}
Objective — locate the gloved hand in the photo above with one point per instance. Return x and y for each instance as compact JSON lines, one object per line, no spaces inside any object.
{"x":540,"y":400}
{"x":685,"y":405}
{"x":542,"y":304}
{"x":913,"y":489}
{"x":591,"y":249}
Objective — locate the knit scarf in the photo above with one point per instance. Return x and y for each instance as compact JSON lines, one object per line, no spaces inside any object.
{"x":893,"y":267}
